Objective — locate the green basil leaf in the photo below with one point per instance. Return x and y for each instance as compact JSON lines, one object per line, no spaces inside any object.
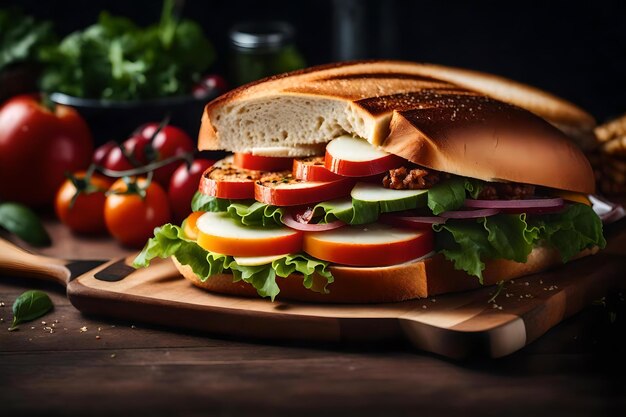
{"x":29,"y":306}
{"x":24,"y":223}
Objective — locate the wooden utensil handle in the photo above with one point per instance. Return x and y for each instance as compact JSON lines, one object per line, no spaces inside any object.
{"x":18,"y":262}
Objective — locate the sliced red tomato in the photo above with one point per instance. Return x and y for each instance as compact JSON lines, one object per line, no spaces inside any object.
{"x":352,"y":157}
{"x":313,"y":169}
{"x":281,"y":189}
{"x":369,"y":245}
{"x":224,"y":180}
{"x":262,"y":163}
{"x":219,"y":233}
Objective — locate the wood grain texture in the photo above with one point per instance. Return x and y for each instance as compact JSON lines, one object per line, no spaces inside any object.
{"x":455,"y":325}
{"x":143,"y":370}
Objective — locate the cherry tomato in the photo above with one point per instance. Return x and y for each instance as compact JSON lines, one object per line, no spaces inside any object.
{"x":131,"y":219}
{"x":86,"y":215}
{"x":37,"y":147}
{"x":210,"y":85}
{"x":134,"y":146}
{"x":170,"y":141}
{"x":183,"y":185}
{"x":101,"y":153}
{"x":262,"y":163}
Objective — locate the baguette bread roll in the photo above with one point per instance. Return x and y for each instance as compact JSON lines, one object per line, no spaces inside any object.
{"x":315,"y":105}
{"x":418,"y":279}
{"x":492,"y":141}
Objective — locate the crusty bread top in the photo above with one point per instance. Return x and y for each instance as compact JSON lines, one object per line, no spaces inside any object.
{"x":317,"y":104}
{"x":490,"y":140}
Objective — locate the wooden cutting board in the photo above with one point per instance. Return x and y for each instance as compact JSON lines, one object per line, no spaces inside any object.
{"x":455,"y":325}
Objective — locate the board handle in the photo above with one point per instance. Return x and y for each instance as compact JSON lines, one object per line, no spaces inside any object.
{"x":18,"y":262}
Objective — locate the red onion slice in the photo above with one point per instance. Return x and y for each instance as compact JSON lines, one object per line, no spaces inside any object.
{"x":470,"y":214}
{"x":411,"y":222}
{"x":289,"y":221}
{"x":607,"y":211}
{"x":514,"y":204}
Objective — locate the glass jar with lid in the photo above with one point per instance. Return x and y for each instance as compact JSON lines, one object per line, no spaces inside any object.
{"x":261,"y":49}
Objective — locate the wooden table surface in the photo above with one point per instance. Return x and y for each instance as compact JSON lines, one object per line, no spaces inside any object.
{"x":92,"y":366}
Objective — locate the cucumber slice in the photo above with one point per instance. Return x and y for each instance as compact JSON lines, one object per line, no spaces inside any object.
{"x":386,"y":199}
{"x":340,"y":209}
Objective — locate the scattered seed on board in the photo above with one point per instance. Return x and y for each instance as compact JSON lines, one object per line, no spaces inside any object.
{"x":83,"y":329}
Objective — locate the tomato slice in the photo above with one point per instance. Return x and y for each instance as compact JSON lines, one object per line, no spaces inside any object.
{"x":313,"y":169}
{"x":281,"y":189}
{"x":369,"y":245}
{"x":352,"y":157}
{"x":262,"y":163}
{"x":224,"y":180}
{"x":219,"y":233}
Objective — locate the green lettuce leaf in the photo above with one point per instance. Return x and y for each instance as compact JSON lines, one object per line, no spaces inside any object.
{"x":468,"y":243}
{"x":256,"y":214}
{"x":203,"y":202}
{"x":169,"y":240}
{"x":447,"y":195}
{"x":570,"y":232}
{"x":450,"y":195}
{"x":474,"y":187}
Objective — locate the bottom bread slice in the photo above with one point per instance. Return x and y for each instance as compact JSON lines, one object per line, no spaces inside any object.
{"x":417,"y":279}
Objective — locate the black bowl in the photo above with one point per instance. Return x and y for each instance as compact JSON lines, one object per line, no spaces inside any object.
{"x":116,"y":120}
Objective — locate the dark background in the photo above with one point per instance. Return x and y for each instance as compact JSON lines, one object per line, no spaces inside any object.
{"x":574,"y":49}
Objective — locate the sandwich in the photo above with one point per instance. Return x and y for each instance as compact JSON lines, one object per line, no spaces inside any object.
{"x":383,"y":181}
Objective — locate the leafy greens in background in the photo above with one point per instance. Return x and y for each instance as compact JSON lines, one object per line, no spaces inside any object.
{"x":22,"y":38}
{"x":115,"y":59}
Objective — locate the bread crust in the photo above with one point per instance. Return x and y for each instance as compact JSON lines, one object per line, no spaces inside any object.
{"x":492,"y":141}
{"x":362,"y":83}
{"x":419,"y":279}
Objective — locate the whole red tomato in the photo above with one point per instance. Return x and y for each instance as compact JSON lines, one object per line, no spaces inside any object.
{"x":183,"y":186}
{"x":37,"y":147}
{"x":86,"y":213}
{"x":130,"y":218}
{"x":170,"y":141}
